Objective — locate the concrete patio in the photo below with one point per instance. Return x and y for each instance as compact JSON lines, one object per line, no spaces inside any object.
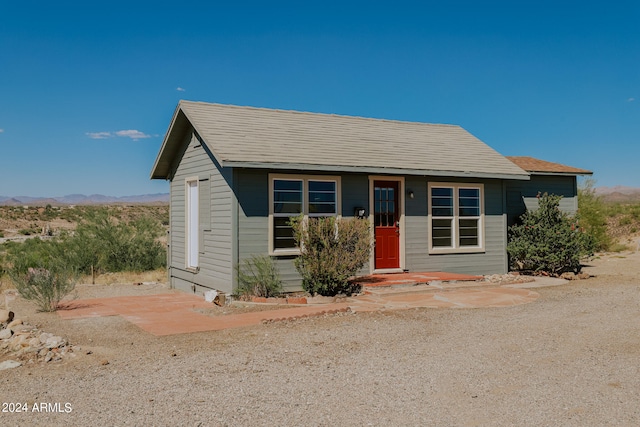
{"x":175,"y":312}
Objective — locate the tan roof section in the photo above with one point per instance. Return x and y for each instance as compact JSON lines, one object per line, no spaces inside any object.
{"x":531,"y":164}
{"x":278,"y":139}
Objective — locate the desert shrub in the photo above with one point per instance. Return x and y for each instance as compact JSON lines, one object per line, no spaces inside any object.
{"x":548,"y":240}
{"x":106,"y":245}
{"x":331,"y":252}
{"x":259,"y":276}
{"x":40,"y":273}
{"x":593,"y":215}
{"x":45,"y":287}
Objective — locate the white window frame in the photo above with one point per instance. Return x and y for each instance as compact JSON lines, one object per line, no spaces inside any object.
{"x":192,"y":223}
{"x":305,"y":205}
{"x":455,"y":219}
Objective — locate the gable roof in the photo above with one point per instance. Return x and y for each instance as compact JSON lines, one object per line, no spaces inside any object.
{"x":278,"y":139}
{"x":533,"y":165}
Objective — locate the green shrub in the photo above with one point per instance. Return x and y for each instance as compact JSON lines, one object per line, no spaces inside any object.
{"x":44,"y":287}
{"x":332,"y":251}
{"x":593,"y":215}
{"x":40,"y":273}
{"x":548,"y":240}
{"x":259,"y":277}
{"x":106,"y":245}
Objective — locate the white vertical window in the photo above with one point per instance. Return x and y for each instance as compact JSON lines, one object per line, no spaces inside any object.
{"x":192,"y":223}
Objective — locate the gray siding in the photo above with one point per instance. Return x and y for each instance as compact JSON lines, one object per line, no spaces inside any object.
{"x":253,"y":211}
{"x":216,"y":243}
{"x":522,"y":195}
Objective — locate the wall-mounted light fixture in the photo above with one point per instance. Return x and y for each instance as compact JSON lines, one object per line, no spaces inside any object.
{"x":410,"y":194}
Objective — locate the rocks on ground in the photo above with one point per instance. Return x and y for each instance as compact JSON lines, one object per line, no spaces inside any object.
{"x":507,"y":279}
{"x":23,"y":343}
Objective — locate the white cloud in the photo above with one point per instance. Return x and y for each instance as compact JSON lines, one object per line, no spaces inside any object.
{"x":1,"y":130}
{"x":99,"y":135}
{"x":180,"y":89}
{"x":631,"y":99}
{"x":133,"y":134}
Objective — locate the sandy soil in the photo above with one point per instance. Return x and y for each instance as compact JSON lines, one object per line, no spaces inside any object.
{"x":571,"y":358}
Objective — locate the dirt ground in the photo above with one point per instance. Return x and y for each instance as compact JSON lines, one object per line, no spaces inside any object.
{"x":571,"y":358}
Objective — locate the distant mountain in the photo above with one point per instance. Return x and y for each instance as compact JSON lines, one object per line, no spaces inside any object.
{"x":81,"y":199}
{"x":619,"y":194}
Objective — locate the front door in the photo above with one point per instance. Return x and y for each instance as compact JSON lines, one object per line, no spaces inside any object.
{"x":386,"y":224}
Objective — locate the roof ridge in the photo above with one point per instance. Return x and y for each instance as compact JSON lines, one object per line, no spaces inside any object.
{"x":311,"y":113}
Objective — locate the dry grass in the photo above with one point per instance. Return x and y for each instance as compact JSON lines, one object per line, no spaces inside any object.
{"x":156,"y":276}
{"x":159,"y":276}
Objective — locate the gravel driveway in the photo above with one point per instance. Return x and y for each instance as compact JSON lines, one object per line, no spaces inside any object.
{"x":571,"y":358}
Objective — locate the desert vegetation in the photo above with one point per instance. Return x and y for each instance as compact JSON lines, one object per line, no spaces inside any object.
{"x":551,"y":242}
{"x":259,"y":276}
{"x":44,"y":268}
{"x":331,"y":252}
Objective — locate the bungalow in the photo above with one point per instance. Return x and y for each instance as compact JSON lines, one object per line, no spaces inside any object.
{"x":437,"y":197}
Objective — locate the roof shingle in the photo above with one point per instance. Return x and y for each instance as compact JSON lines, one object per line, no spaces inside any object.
{"x":278,"y":139}
{"x":531,"y":164}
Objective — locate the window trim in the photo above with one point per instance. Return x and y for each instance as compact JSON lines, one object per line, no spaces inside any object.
{"x":189,"y":227}
{"x":305,"y":205}
{"x":455,"y":238}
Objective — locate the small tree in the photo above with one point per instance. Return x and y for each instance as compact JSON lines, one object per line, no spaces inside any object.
{"x":331,"y":252}
{"x":548,"y":240}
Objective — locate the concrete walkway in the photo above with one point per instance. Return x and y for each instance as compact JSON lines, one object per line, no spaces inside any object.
{"x":174,"y":313}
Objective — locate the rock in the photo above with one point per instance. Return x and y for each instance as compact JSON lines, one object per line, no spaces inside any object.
{"x":9,"y":364}
{"x":44,"y":337}
{"x":568,"y":276}
{"x":104,"y":362}
{"x":584,"y":276}
{"x":54,"y":342}
{"x":5,"y":333}
{"x":6,"y":316}
{"x":14,"y":322}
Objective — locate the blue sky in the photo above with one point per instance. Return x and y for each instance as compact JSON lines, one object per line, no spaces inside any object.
{"x":87,"y":89}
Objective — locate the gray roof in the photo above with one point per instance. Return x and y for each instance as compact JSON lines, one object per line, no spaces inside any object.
{"x":277,"y":139}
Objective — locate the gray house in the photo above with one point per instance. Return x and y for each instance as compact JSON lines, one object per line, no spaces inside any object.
{"x":438,"y":198}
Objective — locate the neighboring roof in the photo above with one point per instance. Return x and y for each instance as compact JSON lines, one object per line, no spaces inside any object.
{"x":278,"y":139}
{"x":538,"y":166}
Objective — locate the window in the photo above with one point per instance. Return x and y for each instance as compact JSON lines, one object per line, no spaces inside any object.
{"x":192,"y":224}
{"x":456,"y":217}
{"x":290,"y":196}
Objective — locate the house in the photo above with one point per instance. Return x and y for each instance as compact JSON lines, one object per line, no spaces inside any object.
{"x":436,"y":196}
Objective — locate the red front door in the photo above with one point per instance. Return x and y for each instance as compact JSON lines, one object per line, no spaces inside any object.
{"x":386,"y":224}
